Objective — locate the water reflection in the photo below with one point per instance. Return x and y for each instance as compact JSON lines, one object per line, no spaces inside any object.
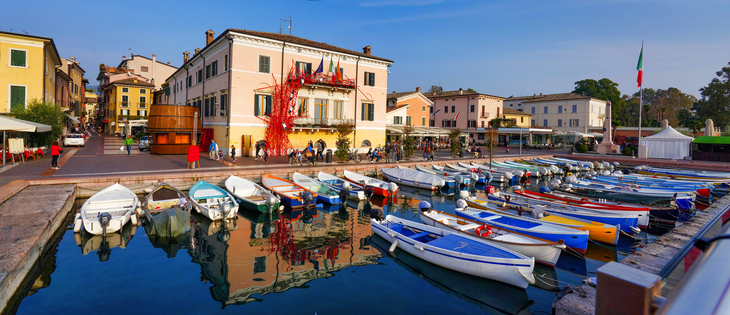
{"x":103,"y":244}
{"x":170,"y":245}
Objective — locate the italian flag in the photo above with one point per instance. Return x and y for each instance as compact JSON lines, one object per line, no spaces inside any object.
{"x":457,"y":115}
{"x":639,"y":67}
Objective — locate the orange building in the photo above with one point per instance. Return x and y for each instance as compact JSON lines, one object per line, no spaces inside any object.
{"x":409,"y":108}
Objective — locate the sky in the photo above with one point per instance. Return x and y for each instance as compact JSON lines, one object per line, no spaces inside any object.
{"x":501,"y":48}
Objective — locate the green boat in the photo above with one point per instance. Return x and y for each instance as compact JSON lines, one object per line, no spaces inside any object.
{"x":253,"y":197}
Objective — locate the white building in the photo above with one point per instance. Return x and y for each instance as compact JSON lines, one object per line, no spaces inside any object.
{"x":561,"y":112}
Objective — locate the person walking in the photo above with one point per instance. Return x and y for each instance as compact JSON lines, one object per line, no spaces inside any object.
{"x":55,"y":154}
{"x":320,"y":149}
{"x":396,"y":151}
{"x":310,"y":154}
{"x":258,"y":148}
{"x":213,"y":150}
{"x":266,"y":154}
{"x":128,"y":142}
{"x":233,"y":153}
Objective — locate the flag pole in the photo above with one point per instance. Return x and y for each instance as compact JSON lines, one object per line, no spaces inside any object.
{"x":641,"y":91}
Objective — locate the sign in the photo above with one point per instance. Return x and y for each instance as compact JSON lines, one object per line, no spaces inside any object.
{"x":15,"y":146}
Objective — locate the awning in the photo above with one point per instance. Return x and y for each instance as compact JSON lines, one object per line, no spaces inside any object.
{"x":523,"y":130}
{"x":417,"y":131}
{"x":73,"y":119}
{"x":711,"y":140}
{"x":19,"y":125}
{"x":596,"y":134}
{"x":583,"y":135}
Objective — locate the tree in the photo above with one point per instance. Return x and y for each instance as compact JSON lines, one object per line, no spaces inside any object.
{"x":435,"y":89}
{"x":605,"y":89}
{"x":409,"y":144}
{"x":44,"y":113}
{"x":343,"y":129}
{"x":470,"y":90}
{"x":661,"y":112}
{"x":455,"y":142}
{"x":715,"y":101}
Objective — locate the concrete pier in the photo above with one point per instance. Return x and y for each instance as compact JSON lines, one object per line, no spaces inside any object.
{"x":651,"y":259}
{"x":28,"y":219}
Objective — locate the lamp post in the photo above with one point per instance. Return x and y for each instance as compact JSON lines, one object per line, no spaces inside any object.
{"x":520,"y":141}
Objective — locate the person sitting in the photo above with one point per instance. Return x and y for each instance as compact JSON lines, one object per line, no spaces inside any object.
{"x":375,"y":156}
{"x":299,"y":157}
{"x":292,"y":157}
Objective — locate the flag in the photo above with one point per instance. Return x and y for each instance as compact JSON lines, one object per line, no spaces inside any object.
{"x":320,"y":69}
{"x":338,"y":73}
{"x":457,"y":115}
{"x":639,"y":66}
{"x":434,"y":114}
{"x":331,"y":68}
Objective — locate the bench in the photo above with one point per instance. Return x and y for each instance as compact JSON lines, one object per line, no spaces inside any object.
{"x":419,"y":235}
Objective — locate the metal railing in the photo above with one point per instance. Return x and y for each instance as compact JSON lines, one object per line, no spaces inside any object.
{"x":321,"y":122}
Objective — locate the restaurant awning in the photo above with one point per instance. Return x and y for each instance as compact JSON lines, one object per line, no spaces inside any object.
{"x":73,"y":119}
{"x":417,"y":131}
{"x":523,"y":130}
{"x":19,"y":125}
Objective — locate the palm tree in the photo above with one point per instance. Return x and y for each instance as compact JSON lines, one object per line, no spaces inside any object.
{"x":662,"y":110}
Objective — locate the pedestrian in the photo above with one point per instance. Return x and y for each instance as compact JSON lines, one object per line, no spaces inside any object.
{"x":266,"y":154}
{"x":292,"y":157}
{"x":309,"y":154}
{"x":55,"y":154}
{"x":507,"y":149}
{"x":213,"y":150}
{"x":320,"y":149}
{"x":233,"y":153}
{"x":375,"y":157}
{"x":128,"y":143}
{"x":258,"y":148}
{"x":299,"y":157}
{"x":220,"y":155}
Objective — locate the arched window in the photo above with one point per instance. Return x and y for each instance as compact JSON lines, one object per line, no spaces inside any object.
{"x":365,"y":143}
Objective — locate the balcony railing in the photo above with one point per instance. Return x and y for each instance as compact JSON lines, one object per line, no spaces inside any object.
{"x":322,"y":79}
{"x":125,"y":104}
{"x":142,"y":105}
{"x":484,"y":115}
{"x":321,"y":122}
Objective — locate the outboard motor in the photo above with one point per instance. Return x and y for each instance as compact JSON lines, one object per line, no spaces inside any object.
{"x":516,"y":188}
{"x":392,"y":187}
{"x":369,"y":191}
{"x":538,"y":212}
{"x":554,"y":184}
{"x":270,"y":202}
{"x":424,"y":206}
{"x":570,"y":179}
{"x":626,"y":171}
{"x":592,"y":173}
{"x":474,"y":177}
{"x":461,"y":204}
{"x":307,"y":199}
{"x":544,"y":190}
{"x":377,"y":214}
{"x":104,"y":219}
{"x":104,"y":250}
{"x":344,"y":192}
{"x":464,"y":193}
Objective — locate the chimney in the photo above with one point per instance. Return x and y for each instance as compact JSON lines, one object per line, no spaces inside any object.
{"x":209,"y":37}
{"x":418,"y":89}
{"x":168,"y":63}
{"x":154,"y":64}
{"x":197,"y":51}
{"x":73,"y":59}
{"x":540,"y":94}
{"x":534,"y":95}
{"x":124,"y":57}
{"x":461,"y":91}
{"x":366,"y":50}
{"x":186,"y":56}
{"x":393,"y":92}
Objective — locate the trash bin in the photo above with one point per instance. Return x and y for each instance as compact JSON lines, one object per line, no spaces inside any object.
{"x":461,"y":153}
{"x":328,"y":156}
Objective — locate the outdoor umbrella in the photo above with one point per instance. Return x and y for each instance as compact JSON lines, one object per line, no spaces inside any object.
{"x":19,"y":125}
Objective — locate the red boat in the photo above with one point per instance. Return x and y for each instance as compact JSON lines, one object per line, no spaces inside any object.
{"x":380,"y":188}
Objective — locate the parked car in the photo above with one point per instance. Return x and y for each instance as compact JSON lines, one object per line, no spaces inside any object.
{"x":78,"y":139}
{"x":144,"y":143}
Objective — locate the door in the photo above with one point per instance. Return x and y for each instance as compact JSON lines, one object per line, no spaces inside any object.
{"x":246,"y":145}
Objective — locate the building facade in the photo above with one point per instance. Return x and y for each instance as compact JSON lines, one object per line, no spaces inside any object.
{"x":231,"y":81}
{"x":90,"y":101}
{"x":563,"y":112}
{"x":63,"y":82}
{"x":27,"y":70}
{"x":127,"y":99}
{"x":148,"y":68}
{"x":418,"y":108}
{"x":518,"y":118}
{"x":469,"y":111}
{"x":77,"y":85}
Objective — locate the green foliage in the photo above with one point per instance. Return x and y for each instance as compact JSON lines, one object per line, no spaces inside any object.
{"x":436,"y":89}
{"x":455,"y":143}
{"x":626,"y":151}
{"x":43,"y":113}
{"x":715,"y":100}
{"x":502,"y":122}
{"x":139,"y":135}
{"x":470,"y":90}
{"x":343,"y":140}
{"x":581,"y":148}
{"x":605,"y":89}
{"x":670,"y":104}
{"x":409,"y":143}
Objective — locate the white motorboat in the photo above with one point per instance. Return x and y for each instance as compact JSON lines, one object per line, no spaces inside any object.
{"x":108,"y":210}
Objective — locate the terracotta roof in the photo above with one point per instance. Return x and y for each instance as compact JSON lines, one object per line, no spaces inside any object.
{"x":509,"y":111}
{"x":131,"y":82}
{"x":305,"y":42}
{"x":399,"y":95}
{"x":559,"y":97}
{"x":390,"y":109}
{"x":150,"y":59}
{"x":455,"y":93}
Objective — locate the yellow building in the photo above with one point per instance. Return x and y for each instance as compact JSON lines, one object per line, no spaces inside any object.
{"x":77,"y":85}
{"x":128,"y":99}
{"x":520,"y":119}
{"x":24,"y":59}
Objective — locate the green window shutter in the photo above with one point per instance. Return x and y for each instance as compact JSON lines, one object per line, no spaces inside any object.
{"x":17,"y":58}
{"x":256,"y":105}
{"x":17,"y":97}
{"x":268,"y":105}
{"x":207,"y":107}
{"x":362,"y":115}
{"x":371,"y":108}
{"x":408,"y":120}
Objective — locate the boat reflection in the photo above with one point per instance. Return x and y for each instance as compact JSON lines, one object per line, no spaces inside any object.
{"x":209,"y":248}
{"x":103,"y":244}
{"x":169,"y":245}
{"x":493,"y":296}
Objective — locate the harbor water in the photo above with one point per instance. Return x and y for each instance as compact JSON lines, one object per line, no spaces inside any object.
{"x":324,"y":260}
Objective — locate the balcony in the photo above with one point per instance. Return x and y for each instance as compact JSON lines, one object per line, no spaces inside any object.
{"x":124,"y":104}
{"x":322,"y":80}
{"x":484,"y":115}
{"x":142,"y":105}
{"x":315,"y":124}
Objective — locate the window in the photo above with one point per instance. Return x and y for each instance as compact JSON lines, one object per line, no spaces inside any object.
{"x":142,"y":101}
{"x":532,"y":123}
{"x":17,"y":97}
{"x":207,"y":107}
{"x":338,"y":110}
{"x":423,"y":120}
{"x":124,"y":112}
{"x":125,"y":90}
{"x":432,"y":123}
{"x":472,"y":124}
{"x":368,"y":112}
{"x":545,"y":110}
{"x":533,"y":111}
{"x":320,"y":111}
{"x":408,"y":120}
{"x":144,"y":69}
{"x":423,"y":108}
{"x":369,"y":78}
{"x":224,"y":104}
{"x":142,"y":113}
{"x":575,"y":108}
{"x":18,"y":58}
{"x":472,"y":108}
{"x":303,"y":111}
{"x":304,"y":67}
{"x":213,"y":105}
{"x":480,"y":136}
{"x":264,"y":64}
{"x":560,"y":109}
{"x":214,"y":68}
{"x":125,"y":100}
{"x":397,"y":120}
{"x":544,"y":122}
{"x":430,"y":110}
{"x":453,"y":109}
{"x":262,"y":105}
{"x":573,"y":122}
{"x":142,"y":91}
{"x":522,"y":119}
{"x":225,"y":63}
{"x":199,"y":75}
{"x":446,"y":109}
{"x":207,"y":72}
{"x":560,"y":122}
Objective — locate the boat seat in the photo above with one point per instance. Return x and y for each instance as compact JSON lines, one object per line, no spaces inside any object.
{"x":469,"y":226}
{"x":419,"y":235}
{"x":118,"y":201}
{"x":254,"y":198}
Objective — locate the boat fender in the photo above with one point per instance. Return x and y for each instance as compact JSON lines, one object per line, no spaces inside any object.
{"x":133,"y":230}
{"x":484,"y":230}
{"x":424,"y":205}
{"x":393,"y":246}
{"x":133,"y":218}
{"x":461,"y":204}
{"x":78,"y":223}
{"x":78,"y":239}
{"x":635,"y":229}
{"x":418,"y":247}
{"x":139,"y":211}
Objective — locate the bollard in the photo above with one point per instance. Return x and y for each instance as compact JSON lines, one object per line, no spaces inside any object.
{"x":625,"y":290}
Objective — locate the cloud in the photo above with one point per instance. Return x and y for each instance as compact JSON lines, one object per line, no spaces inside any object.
{"x":403,"y":3}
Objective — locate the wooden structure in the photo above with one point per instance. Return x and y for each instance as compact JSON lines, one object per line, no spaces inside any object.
{"x":171,"y":127}
{"x":708,"y":148}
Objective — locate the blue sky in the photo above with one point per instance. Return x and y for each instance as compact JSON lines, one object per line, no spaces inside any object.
{"x":496,"y":47}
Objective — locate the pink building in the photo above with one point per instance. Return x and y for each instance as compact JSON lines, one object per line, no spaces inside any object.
{"x":231,"y":81}
{"x":468,"y":111}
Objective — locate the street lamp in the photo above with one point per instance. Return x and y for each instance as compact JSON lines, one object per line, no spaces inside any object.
{"x":520,"y":140}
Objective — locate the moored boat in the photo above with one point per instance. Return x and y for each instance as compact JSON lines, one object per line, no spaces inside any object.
{"x":380,"y":188}
{"x":167,"y":211}
{"x":354,"y":191}
{"x":290,"y":194}
{"x":212,"y":201}
{"x":324,"y":193}
{"x":413,"y":178}
{"x":251,"y":195}
{"x":108,"y":210}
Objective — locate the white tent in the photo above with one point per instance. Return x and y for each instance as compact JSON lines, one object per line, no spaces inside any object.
{"x":667,"y":144}
{"x":19,"y":125}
